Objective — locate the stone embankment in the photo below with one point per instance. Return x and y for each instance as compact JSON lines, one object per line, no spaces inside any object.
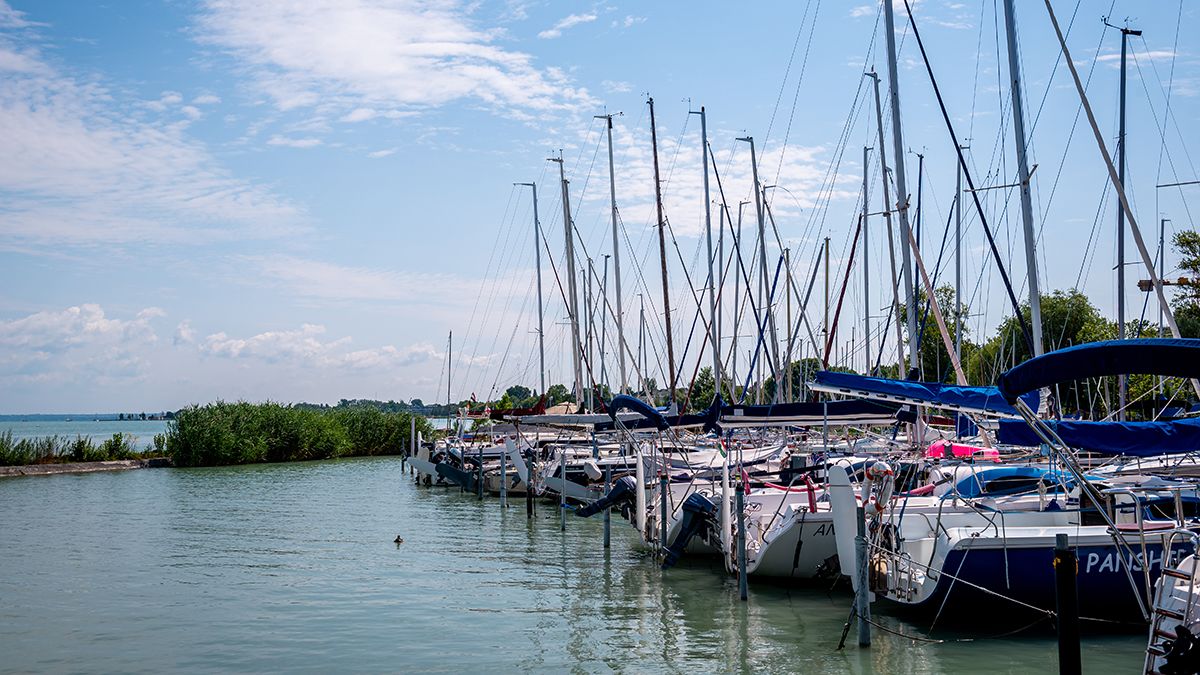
{"x":83,"y":467}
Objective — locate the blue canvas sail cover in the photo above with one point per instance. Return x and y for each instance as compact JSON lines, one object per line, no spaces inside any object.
{"x":626,"y":402}
{"x":1170,"y":357}
{"x":935,"y":394}
{"x":1134,"y":439}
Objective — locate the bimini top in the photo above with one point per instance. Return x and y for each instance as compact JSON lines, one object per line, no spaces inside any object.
{"x":637,"y":405}
{"x":1170,"y":357}
{"x":908,"y":392}
{"x":1131,"y":439}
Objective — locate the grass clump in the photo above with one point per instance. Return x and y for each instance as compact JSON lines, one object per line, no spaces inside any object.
{"x":246,"y":433}
{"x":64,"y":449}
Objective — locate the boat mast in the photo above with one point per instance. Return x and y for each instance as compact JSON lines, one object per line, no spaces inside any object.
{"x":572,"y":299}
{"x":764,"y":282}
{"x":616,"y":256}
{"x":604,"y":326}
{"x":537,"y":256}
{"x":887,"y":219}
{"x":901,"y":187}
{"x":712,"y":279}
{"x":866,"y":268}
{"x":958,"y":305}
{"x":1014,"y":80}
{"x":662,"y":253}
{"x":589,"y":326}
{"x":1122,"y":381}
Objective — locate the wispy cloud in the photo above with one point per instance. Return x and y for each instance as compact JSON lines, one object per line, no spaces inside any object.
{"x":289,"y":142}
{"x":82,"y":169}
{"x":307,"y":347}
{"x":380,"y":55}
{"x":565,"y":23}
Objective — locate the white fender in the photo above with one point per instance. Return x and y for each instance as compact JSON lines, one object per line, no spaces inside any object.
{"x":518,"y":462}
{"x":640,"y":477}
{"x":845,"y":514}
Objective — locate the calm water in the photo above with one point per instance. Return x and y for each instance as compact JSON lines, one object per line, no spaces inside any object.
{"x":142,"y":430}
{"x":292,"y":568}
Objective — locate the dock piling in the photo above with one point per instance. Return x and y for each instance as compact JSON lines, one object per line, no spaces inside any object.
{"x":739,"y":497}
{"x":1066,"y":568}
{"x":862,"y":596}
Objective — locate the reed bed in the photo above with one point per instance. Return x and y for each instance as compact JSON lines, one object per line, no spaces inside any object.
{"x":224,"y":433}
{"x":65,"y":449}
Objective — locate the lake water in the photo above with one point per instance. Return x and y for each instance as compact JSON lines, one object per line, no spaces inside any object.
{"x":142,"y":430}
{"x":292,"y":567}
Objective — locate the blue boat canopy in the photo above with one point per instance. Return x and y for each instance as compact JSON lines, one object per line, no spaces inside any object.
{"x":1134,"y":439}
{"x":810,"y":414}
{"x":933,"y":394}
{"x":1169,"y":357}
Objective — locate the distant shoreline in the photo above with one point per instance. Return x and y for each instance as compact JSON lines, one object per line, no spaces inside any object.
{"x":83,"y":467}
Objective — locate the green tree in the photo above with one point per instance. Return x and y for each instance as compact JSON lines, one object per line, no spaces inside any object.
{"x":932,"y":357}
{"x":558,"y":393}
{"x":701,"y":393}
{"x":518,"y":393}
{"x":1186,"y":303}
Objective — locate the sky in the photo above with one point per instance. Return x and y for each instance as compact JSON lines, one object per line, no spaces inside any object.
{"x":231,"y":199}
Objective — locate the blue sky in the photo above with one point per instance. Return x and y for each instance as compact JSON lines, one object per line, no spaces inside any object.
{"x":297,"y":201}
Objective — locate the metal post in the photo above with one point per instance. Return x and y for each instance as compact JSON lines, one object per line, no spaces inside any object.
{"x":787,"y":367}
{"x":664,"y":508}
{"x":1122,"y":379}
{"x":740,"y":507}
{"x":1066,"y":567}
{"x":588,"y":329}
{"x":825,"y":327}
{"x":537,"y":256}
{"x":607,"y":511}
{"x":901,"y":188}
{"x":573,"y":299}
{"x":712,"y":278}
{"x":504,"y":479}
{"x":862,"y":597}
{"x":1014,"y":78}
{"x":479,"y":482}
{"x":866,"y":268}
{"x":529,"y":489}
{"x":616,"y":254}
{"x":764,"y":282}
{"x":562,"y":494}
{"x":662,"y":251}
{"x":887,"y":219}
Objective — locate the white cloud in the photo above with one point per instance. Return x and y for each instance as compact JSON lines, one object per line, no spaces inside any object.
{"x":206,"y":99}
{"x":616,"y":87}
{"x":306,"y":347}
{"x":184,"y":334}
{"x":11,"y":18}
{"x":566,"y":22}
{"x":380,"y":54}
{"x":628,"y":22}
{"x":288,"y":142}
{"x":81,"y":169}
{"x":75,"y":344}
{"x":381,"y":153}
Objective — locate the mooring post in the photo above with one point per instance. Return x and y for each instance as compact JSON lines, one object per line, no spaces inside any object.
{"x":504,"y":479}
{"x":739,"y":498}
{"x":479,"y":482}
{"x":412,"y":441}
{"x":528,"y":488}
{"x":607,"y":510}
{"x":562,"y":494}
{"x":1066,"y":568}
{"x":862,"y":597}
{"x":663,"y":509}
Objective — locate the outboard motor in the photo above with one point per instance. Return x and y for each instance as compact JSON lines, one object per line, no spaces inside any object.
{"x":623,"y":491}
{"x":697,"y":514}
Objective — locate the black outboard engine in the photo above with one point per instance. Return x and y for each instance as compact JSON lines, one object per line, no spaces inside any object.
{"x":623,"y":491}
{"x":697,"y":514}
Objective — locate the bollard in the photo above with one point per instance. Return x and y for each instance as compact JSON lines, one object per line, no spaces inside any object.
{"x":479,"y":482}
{"x":739,"y":496}
{"x":862,"y":598}
{"x":1066,"y":591}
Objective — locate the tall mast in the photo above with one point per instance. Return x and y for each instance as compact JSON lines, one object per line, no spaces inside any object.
{"x":1014,"y":80}
{"x":719,"y":318}
{"x":537,"y":256}
{"x":449,"y":367}
{"x":1122,"y":383}
{"x":662,"y":253}
{"x":616,"y":255}
{"x":958,"y":305}
{"x":764,"y":282}
{"x":887,"y":219}
{"x":866,"y":268}
{"x":573,"y":296}
{"x":901,"y":187}
{"x":604,"y":326}
{"x":712,"y":279}
{"x":589,"y":326}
